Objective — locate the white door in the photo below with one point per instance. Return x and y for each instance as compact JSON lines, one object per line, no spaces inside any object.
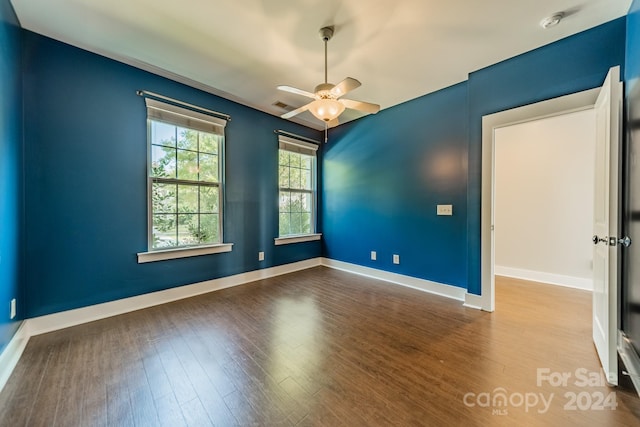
{"x":605,"y":226}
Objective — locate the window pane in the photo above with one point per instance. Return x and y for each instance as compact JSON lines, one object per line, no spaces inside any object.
{"x":283,"y":176}
{"x":305,"y":179}
{"x":295,"y":160}
{"x":163,"y":134}
{"x":305,"y":222}
{"x":285,"y":201}
{"x":163,"y":161}
{"x":283,"y":157}
{"x":296,"y":223}
{"x":209,"y":229}
{"x":208,"y":143}
{"x":305,"y":199}
{"x":163,"y":198}
{"x":164,"y":231}
{"x":284,"y":226}
{"x":187,"y":199}
{"x":187,"y":139}
{"x":294,"y":177}
{"x":208,"y":168}
{"x":297,"y":201}
{"x":188,"y":229}
{"x":187,"y":165}
{"x":209,"y":199}
{"x":306,"y":162}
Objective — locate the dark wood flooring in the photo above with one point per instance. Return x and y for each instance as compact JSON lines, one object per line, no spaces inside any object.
{"x":321,"y":347}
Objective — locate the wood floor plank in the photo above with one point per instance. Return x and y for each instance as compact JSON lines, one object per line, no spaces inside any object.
{"x":46,"y":400}
{"x":170,"y":412}
{"x":319,"y":347}
{"x":94,"y":402}
{"x":73,"y":384}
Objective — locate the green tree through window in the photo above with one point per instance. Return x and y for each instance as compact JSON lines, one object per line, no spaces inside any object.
{"x":185,"y":183}
{"x":296,"y":180}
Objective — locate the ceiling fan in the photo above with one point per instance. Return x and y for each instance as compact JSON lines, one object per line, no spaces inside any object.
{"x":327,"y":104}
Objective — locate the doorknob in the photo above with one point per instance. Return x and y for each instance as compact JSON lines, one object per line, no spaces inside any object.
{"x":595,"y":239}
{"x":625,"y":241}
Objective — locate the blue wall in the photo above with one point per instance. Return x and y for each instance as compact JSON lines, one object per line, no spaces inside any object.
{"x":85,"y":184}
{"x":10,"y":170}
{"x":573,"y":64}
{"x":384,"y":176}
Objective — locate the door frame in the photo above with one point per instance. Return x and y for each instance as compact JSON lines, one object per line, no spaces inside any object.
{"x":578,"y":101}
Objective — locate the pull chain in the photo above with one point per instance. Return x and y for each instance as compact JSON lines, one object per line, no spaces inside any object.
{"x":326,"y":126}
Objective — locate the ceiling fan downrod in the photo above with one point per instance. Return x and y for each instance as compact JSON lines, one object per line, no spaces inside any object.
{"x":325,"y":34}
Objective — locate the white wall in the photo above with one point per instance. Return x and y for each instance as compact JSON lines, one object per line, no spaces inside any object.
{"x":544,"y":199}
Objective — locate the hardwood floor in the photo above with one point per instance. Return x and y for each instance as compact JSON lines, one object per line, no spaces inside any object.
{"x":321,"y":347}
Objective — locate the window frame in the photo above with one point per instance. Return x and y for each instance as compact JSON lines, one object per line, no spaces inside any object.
{"x":298,"y":146}
{"x":162,"y":112}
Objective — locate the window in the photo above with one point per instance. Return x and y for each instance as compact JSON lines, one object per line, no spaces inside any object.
{"x":185,"y":185}
{"x":297,"y":183}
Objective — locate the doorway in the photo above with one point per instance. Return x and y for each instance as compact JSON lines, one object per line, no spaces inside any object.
{"x":562,"y":105}
{"x":543,"y":199}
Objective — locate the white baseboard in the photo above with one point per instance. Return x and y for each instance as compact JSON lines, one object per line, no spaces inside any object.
{"x":550,"y":278}
{"x":65,"y":319}
{"x":473,"y":301}
{"x":11,"y":354}
{"x":399,"y":279}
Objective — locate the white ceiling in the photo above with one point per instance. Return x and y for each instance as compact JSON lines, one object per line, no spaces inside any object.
{"x":243,"y":49}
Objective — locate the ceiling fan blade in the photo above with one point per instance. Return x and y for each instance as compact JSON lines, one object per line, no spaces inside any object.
{"x":345,"y":86}
{"x":366,"y":107}
{"x":297,"y":91}
{"x":295,"y":112}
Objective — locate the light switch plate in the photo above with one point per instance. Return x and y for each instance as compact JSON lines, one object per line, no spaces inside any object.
{"x":444,"y":210}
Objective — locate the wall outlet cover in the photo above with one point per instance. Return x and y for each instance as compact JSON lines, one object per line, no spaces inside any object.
{"x":374,"y":255}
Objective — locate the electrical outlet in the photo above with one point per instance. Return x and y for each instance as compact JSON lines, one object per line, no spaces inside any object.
{"x":260,"y":256}
{"x":13,"y":308}
{"x":396,"y":259}
{"x":444,"y":210}
{"x":374,"y":255}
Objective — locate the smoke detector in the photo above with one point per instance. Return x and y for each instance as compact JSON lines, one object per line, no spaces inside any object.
{"x":552,"y":21}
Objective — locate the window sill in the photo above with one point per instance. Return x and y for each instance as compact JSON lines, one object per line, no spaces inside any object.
{"x":183,"y":252}
{"x":297,"y":239}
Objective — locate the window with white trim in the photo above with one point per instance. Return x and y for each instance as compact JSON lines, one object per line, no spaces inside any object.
{"x":297,"y":184}
{"x":185,"y":177}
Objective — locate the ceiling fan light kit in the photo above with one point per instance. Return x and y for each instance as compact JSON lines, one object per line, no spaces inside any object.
{"x":326,"y":109}
{"x":327,"y":105}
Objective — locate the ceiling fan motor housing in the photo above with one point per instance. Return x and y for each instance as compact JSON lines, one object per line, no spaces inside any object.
{"x":323,"y":90}
{"x":326,"y":33}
